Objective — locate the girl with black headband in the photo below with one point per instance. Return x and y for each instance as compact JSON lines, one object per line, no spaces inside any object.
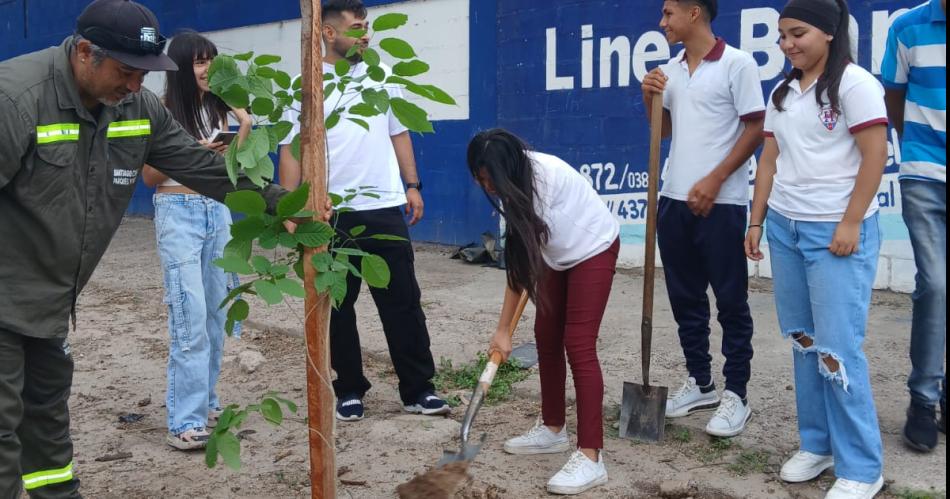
{"x":824,"y":156}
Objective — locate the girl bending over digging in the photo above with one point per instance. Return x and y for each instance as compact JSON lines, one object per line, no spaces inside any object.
{"x":561,"y":249}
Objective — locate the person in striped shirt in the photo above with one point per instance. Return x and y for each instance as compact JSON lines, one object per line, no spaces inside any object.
{"x":914,"y":71}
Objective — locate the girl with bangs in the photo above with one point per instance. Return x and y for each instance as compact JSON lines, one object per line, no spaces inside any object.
{"x":192,"y":231}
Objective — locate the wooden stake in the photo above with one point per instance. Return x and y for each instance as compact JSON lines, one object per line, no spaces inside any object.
{"x":313,"y":160}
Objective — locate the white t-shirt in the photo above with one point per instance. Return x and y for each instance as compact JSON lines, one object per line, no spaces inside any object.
{"x":357,"y":157}
{"x":579,"y":222}
{"x":818,"y":157}
{"x":170,"y":182}
{"x":708,"y":111}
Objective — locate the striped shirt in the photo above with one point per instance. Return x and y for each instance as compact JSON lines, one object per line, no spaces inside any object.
{"x":916,"y":62}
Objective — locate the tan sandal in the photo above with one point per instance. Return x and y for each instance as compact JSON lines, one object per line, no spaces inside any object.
{"x":193,"y":439}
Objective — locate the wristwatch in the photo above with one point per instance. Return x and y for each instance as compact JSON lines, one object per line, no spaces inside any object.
{"x":415,"y":185}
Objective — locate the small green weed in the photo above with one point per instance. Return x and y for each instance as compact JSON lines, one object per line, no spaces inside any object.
{"x":918,"y":494}
{"x":465,"y":377}
{"x":750,"y":462}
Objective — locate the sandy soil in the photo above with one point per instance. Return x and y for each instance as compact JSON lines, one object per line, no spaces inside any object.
{"x":121,"y":346}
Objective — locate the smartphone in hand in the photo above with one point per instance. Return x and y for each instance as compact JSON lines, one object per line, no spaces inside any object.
{"x":224,"y":137}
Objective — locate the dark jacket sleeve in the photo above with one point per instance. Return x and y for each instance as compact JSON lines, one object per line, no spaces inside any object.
{"x":177,"y":154}
{"x":14,"y":139}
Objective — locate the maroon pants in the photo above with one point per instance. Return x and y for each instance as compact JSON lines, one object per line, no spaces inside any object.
{"x":572,"y":304}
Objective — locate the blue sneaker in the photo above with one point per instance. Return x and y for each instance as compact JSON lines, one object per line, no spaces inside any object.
{"x":349,"y":408}
{"x":429,"y":404}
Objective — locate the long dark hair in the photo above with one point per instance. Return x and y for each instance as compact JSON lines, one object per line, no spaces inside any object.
{"x":503,"y":157}
{"x":182,"y":95}
{"x":839,"y":57}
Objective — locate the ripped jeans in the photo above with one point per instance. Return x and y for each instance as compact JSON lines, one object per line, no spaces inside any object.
{"x":192,"y":231}
{"x":822,"y":302}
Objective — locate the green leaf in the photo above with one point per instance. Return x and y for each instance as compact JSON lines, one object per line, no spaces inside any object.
{"x":372,"y":195}
{"x":345,"y":261}
{"x":335,"y":199}
{"x":295,"y":147}
{"x":238,"y":248}
{"x":287,"y":240}
{"x":232,"y":165}
{"x":328,"y":90}
{"x":342,"y":67}
{"x":230,"y":449}
{"x":321,"y":261}
{"x":438,"y":95}
{"x":360,"y":122}
{"x":338,"y":288}
{"x":363,"y":109}
{"x":375,"y":271}
{"x":263,"y":60}
{"x":211,"y":451}
{"x":236,"y":265}
{"x":298,"y":82}
{"x":268,"y":291}
{"x":239,"y":310}
{"x":248,"y":229}
{"x":261,"y":265}
{"x":255,"y":147}
{"x":298,"y":268}
{"x":411,"y":68}
{"x":378,"y":99}
{"x":314,"y":234}
{"x":224,"y":73}
{"x":389,"y":21}
{"x":261,"y":87}
{"x":293,"y":202}
{"x":350,"y":252}
{"x":270,"y":409}
{"x":324,"y":281}
{"x":266,"y":72}
{"x":430,"y":92}
{"x":262,"y":106}
{"x":411,"y":116}
{"x":387,"y":237}
{"x":282,"y":129}
{"x":356,"y":231}
{"x":236,"y":97}
{"x":397,"y":48}
{"x":291,"y":287}
{"x":282,"y":79}
{"x":371,"y":57}
{"x":292,"y":407}
{"x":279,"y":270}
{"x":352,"y":51}
{"x":333,"y":119}
{"x":234,"y":293}
{"x":355,"y":33}
{"x":246,"y":56}
{"x":376,"y":73}
{"x":247,"y":202}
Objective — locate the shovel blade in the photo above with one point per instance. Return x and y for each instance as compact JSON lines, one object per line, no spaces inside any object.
{"x":467,"y":452}
{"x":643,"y":412}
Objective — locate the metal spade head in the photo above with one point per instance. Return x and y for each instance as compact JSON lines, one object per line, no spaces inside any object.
{"x":467,"y":452}
{"x":643,"y":412}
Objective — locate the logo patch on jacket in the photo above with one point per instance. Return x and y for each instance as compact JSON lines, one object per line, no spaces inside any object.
{"x":122,"y":176}
{"x":829,"y":118}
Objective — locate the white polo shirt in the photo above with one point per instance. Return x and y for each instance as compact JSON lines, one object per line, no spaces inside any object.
{"x":357,"y":157}
{"x":580,"y":225}
{"x":818,"y":157}
{"x":708,"y":110}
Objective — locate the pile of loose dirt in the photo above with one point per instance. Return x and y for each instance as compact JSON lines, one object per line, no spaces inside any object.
{"x":439,"y":483}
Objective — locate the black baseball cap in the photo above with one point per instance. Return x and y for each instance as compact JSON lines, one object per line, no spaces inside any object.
{"x":127,"y":31}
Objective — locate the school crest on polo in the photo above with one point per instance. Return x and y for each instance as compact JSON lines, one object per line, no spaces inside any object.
{"x":829,"y":117}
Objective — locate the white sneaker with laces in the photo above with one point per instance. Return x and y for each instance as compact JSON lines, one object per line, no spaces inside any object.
{"x":730,"y":417}
{"x":805,"y":466}
{"x":689,"y":399}
{"x":539,"y":440}
{"x":849,"y":489}
{"x":578,"y":475}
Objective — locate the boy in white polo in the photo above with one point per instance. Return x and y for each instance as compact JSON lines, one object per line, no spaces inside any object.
{"x":714,"y":111}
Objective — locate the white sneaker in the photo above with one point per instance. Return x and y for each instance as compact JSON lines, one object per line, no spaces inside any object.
{"x":805,"y":466}
{"x":578,"y":475}
{"x":849,"y":489}
{"x":730,"y":418}
{"x":688,"y":399}
{"x":539,"y":440}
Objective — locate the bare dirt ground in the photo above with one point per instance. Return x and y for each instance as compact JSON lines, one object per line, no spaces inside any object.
{"x":121,"y":346}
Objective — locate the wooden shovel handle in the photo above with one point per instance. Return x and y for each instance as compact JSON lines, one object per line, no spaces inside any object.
{"x":495,"y":359}
{"x":649,"y":263}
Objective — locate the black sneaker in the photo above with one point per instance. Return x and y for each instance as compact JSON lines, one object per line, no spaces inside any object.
{"x":429,"y":404}
{"x":920,"y":432}
{"x":349,"y":408}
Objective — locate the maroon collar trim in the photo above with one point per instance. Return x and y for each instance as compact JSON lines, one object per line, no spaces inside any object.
{"x":715,"y":54}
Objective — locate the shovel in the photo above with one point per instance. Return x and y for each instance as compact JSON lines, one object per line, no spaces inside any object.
{"x":643,"y":407}
{"x":467,"y":451}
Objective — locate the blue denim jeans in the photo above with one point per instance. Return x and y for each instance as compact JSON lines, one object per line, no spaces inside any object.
{"x":192,"y":231}
{"x":822,"y":302}
{"x":924,"y":206}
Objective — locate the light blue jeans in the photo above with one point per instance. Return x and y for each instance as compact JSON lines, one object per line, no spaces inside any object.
{"x":192,"y":231}
{"x":924,"y":206}
{"x":825,"y":298}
